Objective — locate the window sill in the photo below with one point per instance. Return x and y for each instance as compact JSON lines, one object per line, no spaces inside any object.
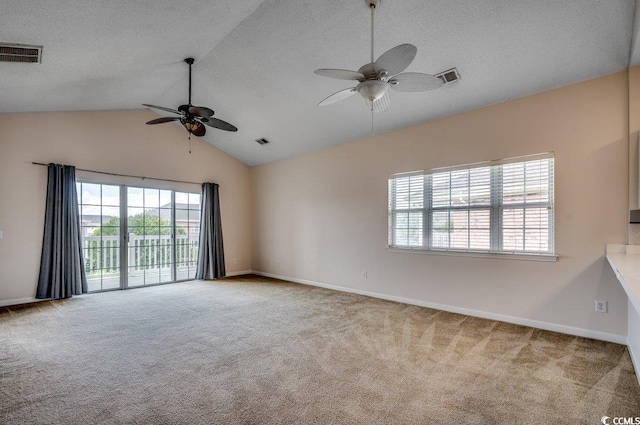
{"x":501,"y":255}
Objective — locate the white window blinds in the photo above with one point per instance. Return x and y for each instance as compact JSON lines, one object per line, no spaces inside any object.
{"x":504,"y":206}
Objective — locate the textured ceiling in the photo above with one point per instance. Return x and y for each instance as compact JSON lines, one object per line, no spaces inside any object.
{"x":255,"y":59}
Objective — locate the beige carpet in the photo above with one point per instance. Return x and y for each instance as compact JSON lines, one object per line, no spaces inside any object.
{"x":252,"y":350}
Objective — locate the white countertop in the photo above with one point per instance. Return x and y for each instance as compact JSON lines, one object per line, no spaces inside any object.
{"x":625,"y":261}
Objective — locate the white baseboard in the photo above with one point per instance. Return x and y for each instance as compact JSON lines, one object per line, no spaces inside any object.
{"x":240,"y":273}
{"x":16,"y":301}
{"x":586,"y":333}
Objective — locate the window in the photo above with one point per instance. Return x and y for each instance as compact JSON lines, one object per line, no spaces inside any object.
{"x":497,"y":207}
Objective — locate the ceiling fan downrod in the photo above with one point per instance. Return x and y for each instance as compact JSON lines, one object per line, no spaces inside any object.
{"x":189,"y":61}
{"x":371,"y":97}
{"x":373,"y":87}
{"x":372,"y":5}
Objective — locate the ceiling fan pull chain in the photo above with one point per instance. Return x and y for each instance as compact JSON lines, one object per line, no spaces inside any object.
{"x":372,"y":119}
{"x":189,"y":142}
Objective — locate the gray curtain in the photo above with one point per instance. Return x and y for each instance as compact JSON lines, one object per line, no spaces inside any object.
{"x":62,"y":271}
{"x":210,"y":249}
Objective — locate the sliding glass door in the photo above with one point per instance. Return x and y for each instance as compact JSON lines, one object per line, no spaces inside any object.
{"x":99,"y":206}
{"x":150,"y":234}
{"x":187,"y":220}
{"x":137,"y":236}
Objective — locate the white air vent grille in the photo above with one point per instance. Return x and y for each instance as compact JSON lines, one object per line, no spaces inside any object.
{"x":262,"y":141}
{"x":449,"y":76}
{"x":20,"y":53}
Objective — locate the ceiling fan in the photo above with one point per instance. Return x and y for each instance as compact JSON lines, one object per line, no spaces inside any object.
{"x":376,"y":78}
{"x":192,"y":117}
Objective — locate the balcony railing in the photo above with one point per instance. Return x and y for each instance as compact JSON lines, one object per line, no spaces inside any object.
{"x":102,"y":253}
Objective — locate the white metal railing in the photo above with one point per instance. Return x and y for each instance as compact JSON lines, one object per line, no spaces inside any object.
{"x":144,"y":252}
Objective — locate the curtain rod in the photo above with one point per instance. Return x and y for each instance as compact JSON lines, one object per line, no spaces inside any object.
{"x":124,"y":175}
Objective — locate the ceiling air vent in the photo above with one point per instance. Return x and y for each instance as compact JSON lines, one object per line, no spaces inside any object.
{"x":20,"y":53}
{"x":262,"y":141}
{"x":449,"y":76}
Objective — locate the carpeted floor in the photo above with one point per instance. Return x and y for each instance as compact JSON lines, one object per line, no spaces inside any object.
{"x":251,"y":350}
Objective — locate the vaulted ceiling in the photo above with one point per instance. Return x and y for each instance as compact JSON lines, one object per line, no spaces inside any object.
{"x":255,"y":59}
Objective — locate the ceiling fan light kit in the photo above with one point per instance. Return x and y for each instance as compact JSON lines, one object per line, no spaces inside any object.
{"x":376,"y":78}
{"x":192,"y":118}
{"x":372,"y":90}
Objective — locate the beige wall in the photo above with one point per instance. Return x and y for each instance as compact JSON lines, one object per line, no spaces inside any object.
{"x":322,"y":217}
{"x":116,"y":142}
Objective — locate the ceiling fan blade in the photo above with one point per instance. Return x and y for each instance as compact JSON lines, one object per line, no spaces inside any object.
{"x":162,"y":108}
{"x":219,"y":124}
{"x":380,"y":105}
{"x":162,"y":120}
{"x":396,"y":60}
{"x":415,"y":81}
{"x":336,"y":97}
{"x":200,"y":111}
{"x":200,"y":130}
{"x":340,"y":74}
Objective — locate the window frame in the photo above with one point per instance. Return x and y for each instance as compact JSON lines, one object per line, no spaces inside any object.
{"x":495,"y":207}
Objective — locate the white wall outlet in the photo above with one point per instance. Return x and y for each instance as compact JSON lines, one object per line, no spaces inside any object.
{"x":364,"y":275}
{"x":235,"y":261}
{"x":601,"y":306}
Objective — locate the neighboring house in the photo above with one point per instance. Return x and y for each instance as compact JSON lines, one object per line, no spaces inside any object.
{"x":91,"y":222}
{"x":187,"y":219}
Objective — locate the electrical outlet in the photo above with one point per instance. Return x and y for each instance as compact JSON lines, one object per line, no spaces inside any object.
{"x":364,"y":275}
{"x":235,"y":261}
{"x":1,"y":234}
{"x":601,"y":306}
